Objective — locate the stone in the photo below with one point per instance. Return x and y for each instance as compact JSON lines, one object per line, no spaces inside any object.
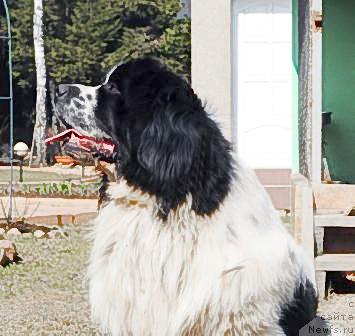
{"x":6,"y":244}
{"x":27,"y":235}
{"x":8,"y":253}
{"x":13,"y":232}
{"x":55,"y":234}
{"x":38,"y":234}
{"x":2,"y":231}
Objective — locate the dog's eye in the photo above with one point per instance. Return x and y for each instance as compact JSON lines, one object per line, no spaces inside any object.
{"x":112,"y":87}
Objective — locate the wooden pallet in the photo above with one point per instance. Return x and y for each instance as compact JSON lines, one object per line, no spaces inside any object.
{"x":334,"y":220}
{"x":335,"y":262}
{"x":314,"y":209}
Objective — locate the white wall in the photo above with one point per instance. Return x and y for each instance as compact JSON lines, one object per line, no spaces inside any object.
{"x":211,"y":57}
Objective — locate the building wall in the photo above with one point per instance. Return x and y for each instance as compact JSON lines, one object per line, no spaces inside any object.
{"x":339,"y":86}
{"x":212,"y":69}
{"x":211,"y":57}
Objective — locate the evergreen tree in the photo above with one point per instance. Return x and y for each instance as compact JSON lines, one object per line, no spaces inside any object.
{"x":85,"y":38}
{"x":175,"y":47}
{"x":152,"y":28}
{"x":93,"y":30}
{"x":24,"y":74}
{"x":21,"y":12}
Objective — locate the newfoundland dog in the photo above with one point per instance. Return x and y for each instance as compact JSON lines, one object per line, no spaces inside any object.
{"x":187,"y":241}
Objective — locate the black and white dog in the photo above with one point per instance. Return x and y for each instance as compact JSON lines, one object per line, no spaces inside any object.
{"x":188,"y":242}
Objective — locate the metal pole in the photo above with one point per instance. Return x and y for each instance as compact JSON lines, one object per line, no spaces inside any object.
{"x":21,"y":169}
{"x":11,"y":111}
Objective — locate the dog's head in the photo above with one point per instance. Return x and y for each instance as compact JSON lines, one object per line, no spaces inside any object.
{"x":162,"y":139}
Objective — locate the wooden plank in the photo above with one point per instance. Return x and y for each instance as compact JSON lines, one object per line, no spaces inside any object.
{"x":319,"y":239}
{"x":280,"y":196}
{"x":299,"y":182}
{"x":78,"y":219}
{"x":307,"y":228}
{"x":334,"y":197}
{"x":321,"y":278}
{"x":274,"y":176}
{"x":334,"y":221}
{"x":335,"y":262}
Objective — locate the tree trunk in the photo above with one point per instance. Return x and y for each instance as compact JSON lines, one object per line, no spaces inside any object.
{"x":305,"y":100}
{"x":39,"y":133}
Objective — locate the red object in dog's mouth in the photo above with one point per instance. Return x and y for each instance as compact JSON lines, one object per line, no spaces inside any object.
{"x":83,"y":143}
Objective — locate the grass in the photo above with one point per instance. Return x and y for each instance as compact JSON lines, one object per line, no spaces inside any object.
{"x":47,"y":295}
{"x":33,"y":176}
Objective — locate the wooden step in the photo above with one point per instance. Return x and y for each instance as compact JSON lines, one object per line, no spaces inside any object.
{"x":335,"y":262}
{"x":277,"y":182}
{"x":274,"y":176}
{"x":280,"y":196}
{"x":337,"y":220}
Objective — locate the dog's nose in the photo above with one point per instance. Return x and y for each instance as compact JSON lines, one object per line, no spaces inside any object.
{"x":63,"y":89}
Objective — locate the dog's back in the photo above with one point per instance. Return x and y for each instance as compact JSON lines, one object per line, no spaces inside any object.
{"x":237,"y":272}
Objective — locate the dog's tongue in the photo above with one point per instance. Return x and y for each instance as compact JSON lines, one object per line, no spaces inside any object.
{"x":83,"y":143}
{"x":62,"y":136}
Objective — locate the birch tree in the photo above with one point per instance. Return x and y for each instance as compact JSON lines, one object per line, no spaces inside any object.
{"x":83,"y":39}
{"x":38,"y":146}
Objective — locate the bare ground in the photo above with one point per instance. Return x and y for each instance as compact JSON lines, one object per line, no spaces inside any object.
{"x":339,"y":311}
{"x":47,"y":295}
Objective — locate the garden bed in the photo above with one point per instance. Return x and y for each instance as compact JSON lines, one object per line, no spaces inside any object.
{"x":62,"y":189}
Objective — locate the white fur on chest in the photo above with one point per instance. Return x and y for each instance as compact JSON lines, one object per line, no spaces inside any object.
{"x":149,"y":277}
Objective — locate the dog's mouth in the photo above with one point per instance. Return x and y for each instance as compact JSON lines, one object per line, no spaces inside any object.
{"x":78,"y":143}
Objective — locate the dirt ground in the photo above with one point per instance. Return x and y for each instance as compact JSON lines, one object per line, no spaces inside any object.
{"x":339,"y":311}
{"x":47,"y":295}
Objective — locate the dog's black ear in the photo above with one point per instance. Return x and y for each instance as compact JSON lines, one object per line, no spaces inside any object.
{"x":170,"y":142}
{"x":182,"y":152}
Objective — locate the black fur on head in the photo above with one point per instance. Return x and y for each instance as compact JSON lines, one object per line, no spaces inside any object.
{"x":167,"y":145}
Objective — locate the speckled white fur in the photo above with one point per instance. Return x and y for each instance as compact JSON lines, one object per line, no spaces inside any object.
{"x":193,"y":275}
{"x":85,"y":111}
